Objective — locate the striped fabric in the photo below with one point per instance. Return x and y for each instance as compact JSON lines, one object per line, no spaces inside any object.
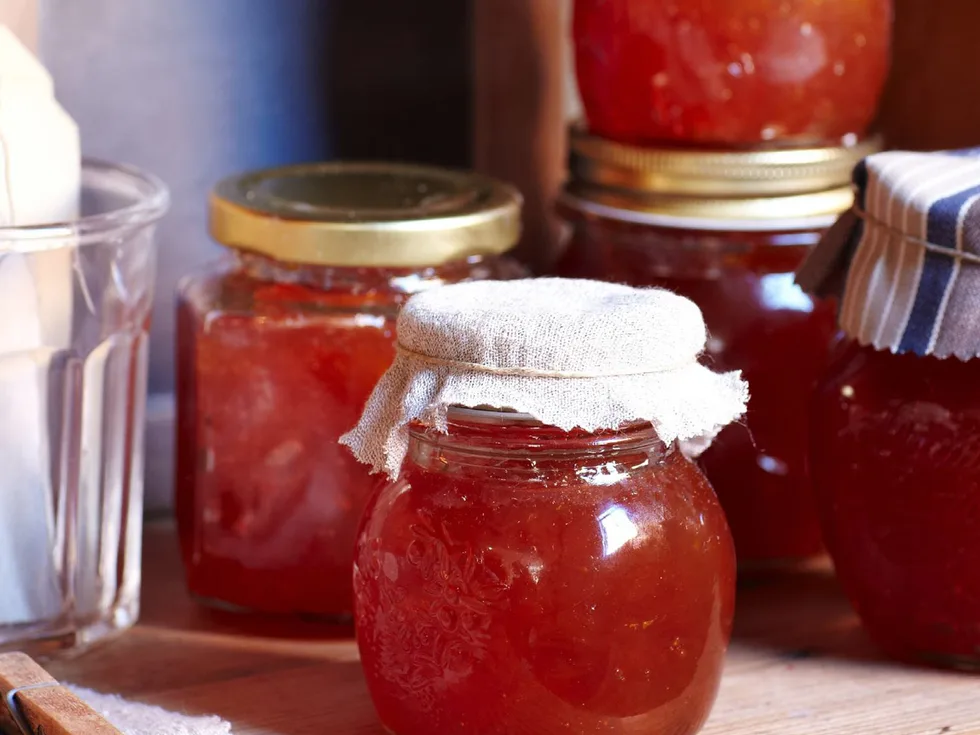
{"x":912,"y":255}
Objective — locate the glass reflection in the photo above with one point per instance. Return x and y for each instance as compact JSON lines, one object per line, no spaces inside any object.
{"x":779,"y":291}
{"x":617,"y":529}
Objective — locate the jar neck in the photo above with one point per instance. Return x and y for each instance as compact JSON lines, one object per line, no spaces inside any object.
{"x":368,"y":278}
{"x":632,"y":251}
{"x":513,"y":446}
{"x":628,"y":229}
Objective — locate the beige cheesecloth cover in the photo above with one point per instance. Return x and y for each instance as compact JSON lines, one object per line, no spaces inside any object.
{"x":571,"y":353}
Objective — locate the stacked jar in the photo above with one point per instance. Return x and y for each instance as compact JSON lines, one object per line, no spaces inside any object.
{"x":718,"y":149}
{"x":280,"y":347}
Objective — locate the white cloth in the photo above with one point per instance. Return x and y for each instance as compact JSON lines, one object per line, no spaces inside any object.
{"x":133,"y":718}
{"x":571,"y":353}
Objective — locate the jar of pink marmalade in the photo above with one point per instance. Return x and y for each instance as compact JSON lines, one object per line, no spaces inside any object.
{"x":727,"y":230}
{"x":544,"y":558}
{"x":895,"y":422}
{"x":280,"y":345}
{"x":731,"y":73}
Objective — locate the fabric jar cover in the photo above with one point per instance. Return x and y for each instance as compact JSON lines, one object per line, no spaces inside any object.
{"x":905,"y":261}
{"x":570,"y":353}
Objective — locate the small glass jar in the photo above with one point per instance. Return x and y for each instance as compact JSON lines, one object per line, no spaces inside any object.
{"x":279,"y":348}
{"x":896,"y":471}
{"x":731,"y":72}
{"x":516,"y":576}
{"x":637,"y":217}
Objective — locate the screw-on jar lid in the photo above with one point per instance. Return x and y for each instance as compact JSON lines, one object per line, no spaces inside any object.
{"x":704,"y":185}
{"x":365,"y":214}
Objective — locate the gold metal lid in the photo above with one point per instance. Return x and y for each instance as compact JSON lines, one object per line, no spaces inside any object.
{"x":701,"y":184}
{"x":365,"y":214}
{"x":799,"y":211}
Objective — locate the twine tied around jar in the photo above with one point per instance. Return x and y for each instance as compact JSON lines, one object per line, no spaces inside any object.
{"x":529,"y":372}
{"x":870,"y":219}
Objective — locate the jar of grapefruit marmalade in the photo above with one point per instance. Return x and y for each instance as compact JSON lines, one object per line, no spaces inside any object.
{"x":278,"y":349}
{"x":727,"y":230}
{"x":731,"y":72}
{"x":895,"y":438}
{"x":517,"y":576}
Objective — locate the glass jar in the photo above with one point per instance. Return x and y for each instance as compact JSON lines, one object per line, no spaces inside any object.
{"x":634,"y":217}
{"x":279,"y":348}
{"x":516,"y":576}
{"x":896,"y":472}
{"x":731,"y":72}
{"x":75,"y":308}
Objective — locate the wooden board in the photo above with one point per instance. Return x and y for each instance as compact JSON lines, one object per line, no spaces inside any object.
{"x":799,"y":665}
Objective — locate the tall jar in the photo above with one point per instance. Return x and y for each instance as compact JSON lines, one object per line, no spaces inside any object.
{"x":543,"y":559}
{"x":727,"y":230}
{"x":896,"y":416}
{"x":278,"y":349}
{"x":731,"y":73}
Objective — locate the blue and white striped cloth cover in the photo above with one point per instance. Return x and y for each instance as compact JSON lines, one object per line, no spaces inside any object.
{"x":906,"y":260}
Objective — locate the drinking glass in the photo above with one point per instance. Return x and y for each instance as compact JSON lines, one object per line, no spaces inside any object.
{"x":75,"y":301}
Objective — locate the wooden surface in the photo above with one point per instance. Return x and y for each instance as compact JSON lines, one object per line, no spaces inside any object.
{"x":799,"y":665}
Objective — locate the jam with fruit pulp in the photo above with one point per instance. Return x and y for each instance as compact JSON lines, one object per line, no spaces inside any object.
{"x":731,"y":72}
{"x":758,"y":322}
{"x":896,"y":472}
{"x":728,"y":230}
{"x":519,"y":578}
{"x":279,"y":349}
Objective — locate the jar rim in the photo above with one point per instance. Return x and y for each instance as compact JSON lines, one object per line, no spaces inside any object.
{"x":148,"y":200}
{"x":628,"y":435}
{"x":788,"y":214}
{"x":536,"y":449}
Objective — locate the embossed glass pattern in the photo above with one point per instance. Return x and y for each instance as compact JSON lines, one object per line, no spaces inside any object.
{"x":517,"y":578}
